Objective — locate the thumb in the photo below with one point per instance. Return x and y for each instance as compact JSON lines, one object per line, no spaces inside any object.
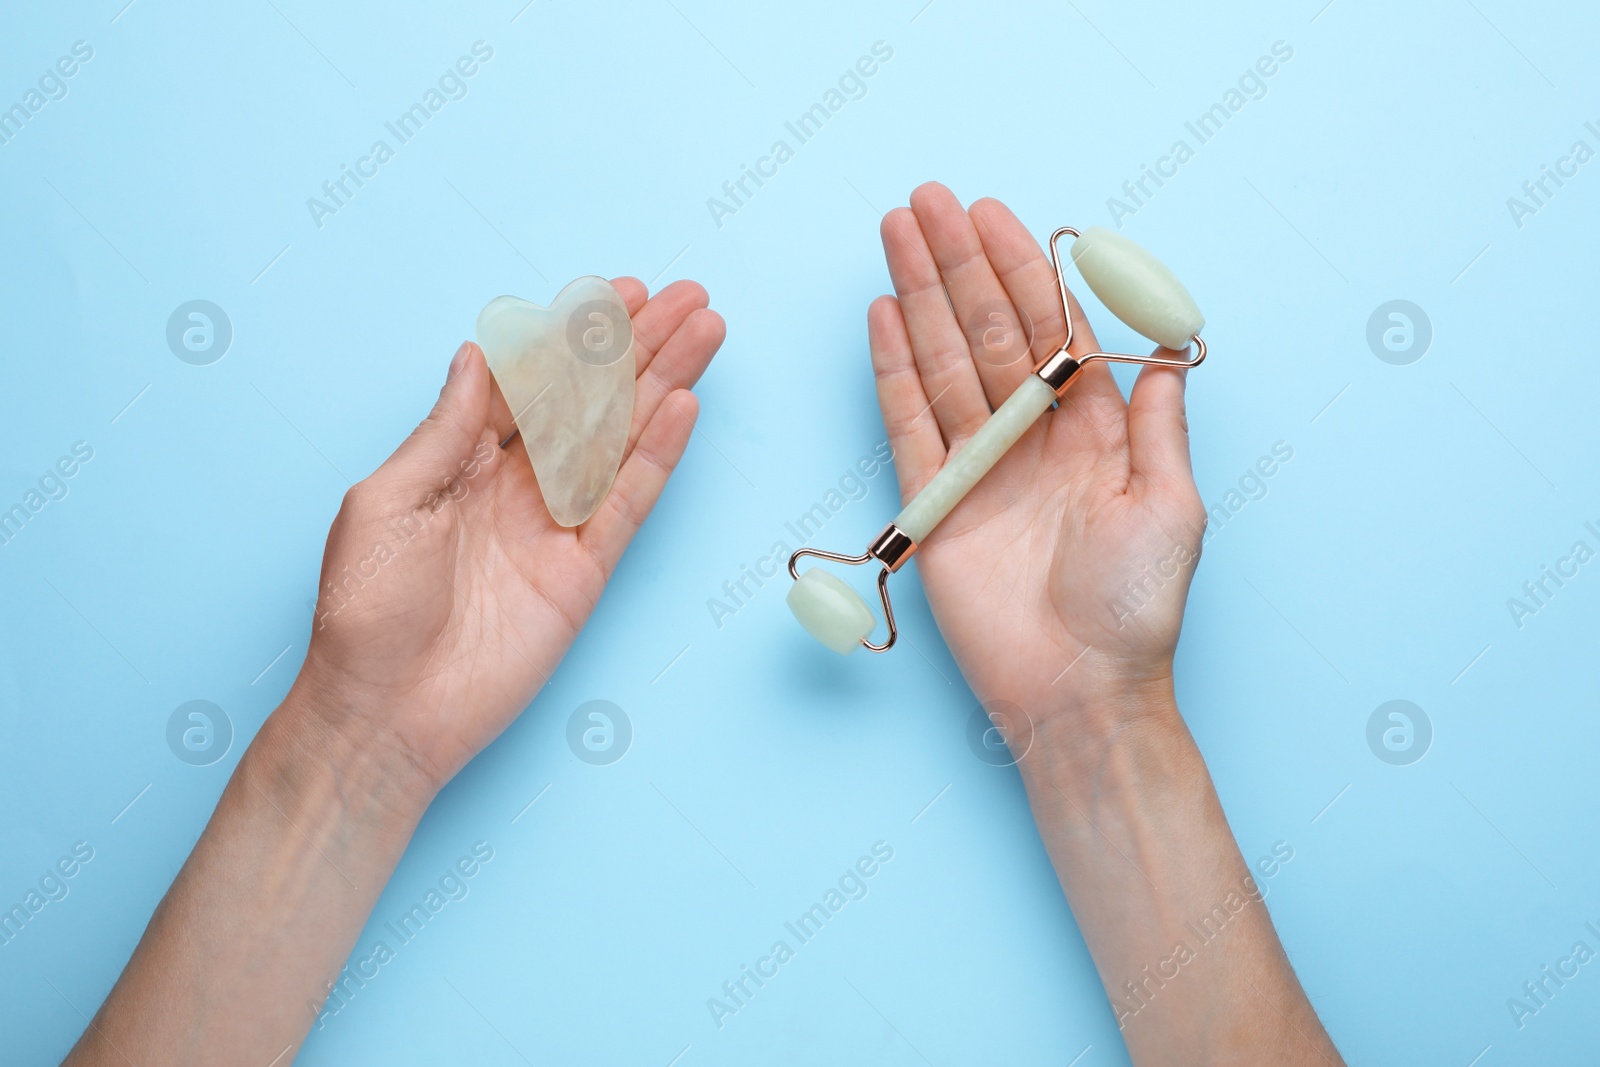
{"x":452,"y":431}
{"x":1158,"y":428}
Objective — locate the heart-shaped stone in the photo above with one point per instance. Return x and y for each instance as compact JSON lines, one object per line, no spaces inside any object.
{"x":566,"y":371}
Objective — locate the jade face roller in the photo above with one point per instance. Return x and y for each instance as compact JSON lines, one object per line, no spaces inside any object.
{"x":1135,"y":287}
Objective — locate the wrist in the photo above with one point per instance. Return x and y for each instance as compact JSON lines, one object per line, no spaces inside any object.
{"x":1102,"y":720}
{"x":310,"y":758}
{"x":1108,"y":696}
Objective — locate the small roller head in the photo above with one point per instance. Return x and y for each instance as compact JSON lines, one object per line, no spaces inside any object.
{"x":830,"y":610}
{"x":1137,"y":287}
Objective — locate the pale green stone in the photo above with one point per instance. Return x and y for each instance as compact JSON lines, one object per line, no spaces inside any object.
{"x":830,"y":610}
{"x":1137,"y":287}
{"x":567,"y":373}
{"x":972,"y":460}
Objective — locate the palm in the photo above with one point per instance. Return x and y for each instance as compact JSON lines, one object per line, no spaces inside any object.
{"x":1028,"y":575}
{"x":503,"y":604}
{"x":482,"y":592}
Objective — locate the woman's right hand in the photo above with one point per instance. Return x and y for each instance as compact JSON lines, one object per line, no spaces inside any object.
{"x":1059,"y":582}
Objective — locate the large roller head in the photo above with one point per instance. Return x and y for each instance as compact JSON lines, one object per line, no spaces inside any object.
{"x":830,"y":610}
{"x":1137,"y":287}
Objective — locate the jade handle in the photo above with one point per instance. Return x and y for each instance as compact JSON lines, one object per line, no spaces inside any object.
{"x":963,"y":470}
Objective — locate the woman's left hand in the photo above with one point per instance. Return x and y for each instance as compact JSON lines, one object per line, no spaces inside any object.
{"x":448,"y":594}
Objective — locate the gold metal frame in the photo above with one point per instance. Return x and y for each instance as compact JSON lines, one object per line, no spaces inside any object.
{"x":1058,"y":368}
{"x":893,"y":546}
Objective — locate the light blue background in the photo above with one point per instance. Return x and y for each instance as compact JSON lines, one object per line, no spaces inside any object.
{"x":1419,"y":498}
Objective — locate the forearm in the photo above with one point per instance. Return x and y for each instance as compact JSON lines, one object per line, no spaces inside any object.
{"x":235,"y":963}
{"x":1171,"y":913}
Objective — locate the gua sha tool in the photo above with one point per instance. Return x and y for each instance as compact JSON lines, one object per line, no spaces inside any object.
{"x":1135,"y":287}
{"x":567,"y":373}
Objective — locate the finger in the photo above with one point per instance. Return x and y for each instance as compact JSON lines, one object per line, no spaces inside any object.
{"x":907,"y":416}
{"x":501,"y":417}
{"x":1092,"y":416}
{"x":995,"y":336}
{"x":937,"y":343}
{"x":642,"y":477}
{"x":449,"y":436}
{"x":633,"y":292}
{"x":660,"y":318}
{"x":1158,"y":429}
{"x":678,"y":365}
{"x":1030,"y":280}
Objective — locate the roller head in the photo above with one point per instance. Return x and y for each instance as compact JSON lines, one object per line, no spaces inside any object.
{"x":830,"y":610}
{"x":1137,"y":287}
